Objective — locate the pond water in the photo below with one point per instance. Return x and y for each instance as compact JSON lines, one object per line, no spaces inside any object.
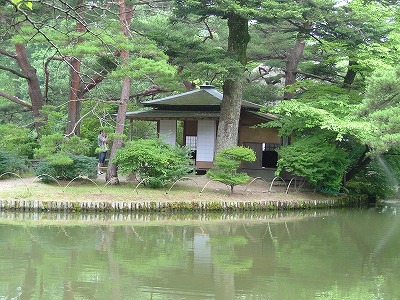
{"x":335,"y":254}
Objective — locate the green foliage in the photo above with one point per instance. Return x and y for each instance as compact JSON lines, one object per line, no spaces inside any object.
{"x":59,"y":159}
{"x":140,"y":67}
{"x":56,"y":120}
{"x":56,"y":143}
{"x":380,"y":179}
{"x":381,"y":108}
{"x":317,"y":159}
{"x":66,"y":166}
{"x":154,"y":161}
{"x":199,"y":55}
{"x":19,"y":140}
{"x":260,"y":93}
{"x":193,"y":36}
{"x":19,"y":3}
{"x":327,"y":125}
{"x":64,"y":158}
{"x":227,"y":163}
{"x":10,"y":162}
{"x":325,"y":107}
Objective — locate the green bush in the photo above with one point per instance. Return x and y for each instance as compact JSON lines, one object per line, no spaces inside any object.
{"x":63,"y":158}
{"x":11,"y":163}
{"x":54,"y":143}
{"x":153,"y":161}
{"x":227,"y":163}
{"x":66,"y":166}
{"x":18,"y":140}
{"x":322,"y":163}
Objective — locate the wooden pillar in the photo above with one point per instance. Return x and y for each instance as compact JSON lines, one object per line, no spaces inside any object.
{"x":130,"y":129}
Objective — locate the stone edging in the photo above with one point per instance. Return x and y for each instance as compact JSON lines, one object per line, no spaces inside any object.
{"x":200,"y":206}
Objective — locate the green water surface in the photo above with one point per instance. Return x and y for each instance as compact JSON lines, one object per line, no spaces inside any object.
{"x":337,"y":254}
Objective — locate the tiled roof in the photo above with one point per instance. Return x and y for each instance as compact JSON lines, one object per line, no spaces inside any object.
{"x":206,"y":97}
{"x":201,"y":97}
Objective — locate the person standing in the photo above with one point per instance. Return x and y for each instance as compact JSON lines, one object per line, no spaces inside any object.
{"x":102,"y":140}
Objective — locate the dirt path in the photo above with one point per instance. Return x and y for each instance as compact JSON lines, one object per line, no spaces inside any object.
{"x":198,"y":181}
{"x":15,"y":182}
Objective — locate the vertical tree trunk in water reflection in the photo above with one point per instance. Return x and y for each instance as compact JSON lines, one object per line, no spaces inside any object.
{"x":28,"y":287}
{"x":113,"y":265}
{"x":68,"y":293}
{"x":224,"y":281}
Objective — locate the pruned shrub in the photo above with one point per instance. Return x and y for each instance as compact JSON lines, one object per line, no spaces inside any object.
{"x":55,"y":143}
{"x":11,"y":163}
{"x":153,"y":161}
{"x":63,"y":158}
{"x":227,"y":163}
{"x":66,"y":166}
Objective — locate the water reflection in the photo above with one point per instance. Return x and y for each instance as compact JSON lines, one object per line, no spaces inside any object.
{"x":140,"y":217}
{"x":336,"y":254}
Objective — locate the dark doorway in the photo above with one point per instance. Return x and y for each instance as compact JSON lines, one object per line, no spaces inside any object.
{"x":269,"y":159}
{"x":269,"y":155}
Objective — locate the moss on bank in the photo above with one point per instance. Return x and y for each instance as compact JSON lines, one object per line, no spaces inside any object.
{"x":181,"y":206}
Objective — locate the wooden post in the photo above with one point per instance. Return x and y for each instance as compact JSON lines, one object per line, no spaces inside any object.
{"x":130,"y":129}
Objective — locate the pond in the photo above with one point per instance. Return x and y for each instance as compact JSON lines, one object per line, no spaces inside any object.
{"x":323,"y":254}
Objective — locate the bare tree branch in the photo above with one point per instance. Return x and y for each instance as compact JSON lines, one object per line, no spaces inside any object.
{"x":151,"y":91}
{"x":262,"y":72}
{"x":318,"y":77}
{"x":15,"y":72}
{"x":80,"y":120}
{"x":8,"y":54}
{"x":210,"y":33}
{"x":149,"y":3}
{"x":269,"y":57}
{"x":15,"y":100}
{"x":94,"y":82}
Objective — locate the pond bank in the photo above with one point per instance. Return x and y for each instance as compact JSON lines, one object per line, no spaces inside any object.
{"x":193,"y":206}
{"x":195,"y":194}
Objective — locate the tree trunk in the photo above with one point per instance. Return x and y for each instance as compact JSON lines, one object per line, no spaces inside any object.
{"x":362,"y":162}
{"x":125,"y":16}
{"x":292,"y":62}
{"x":113,"y":265}
{"x":351,"y":73}
{"x":34,"y":90}
{"x":112,"y":173}
{"x":227,"y":134}
{"x":74,"y":104}
{"x":228,"y":127}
